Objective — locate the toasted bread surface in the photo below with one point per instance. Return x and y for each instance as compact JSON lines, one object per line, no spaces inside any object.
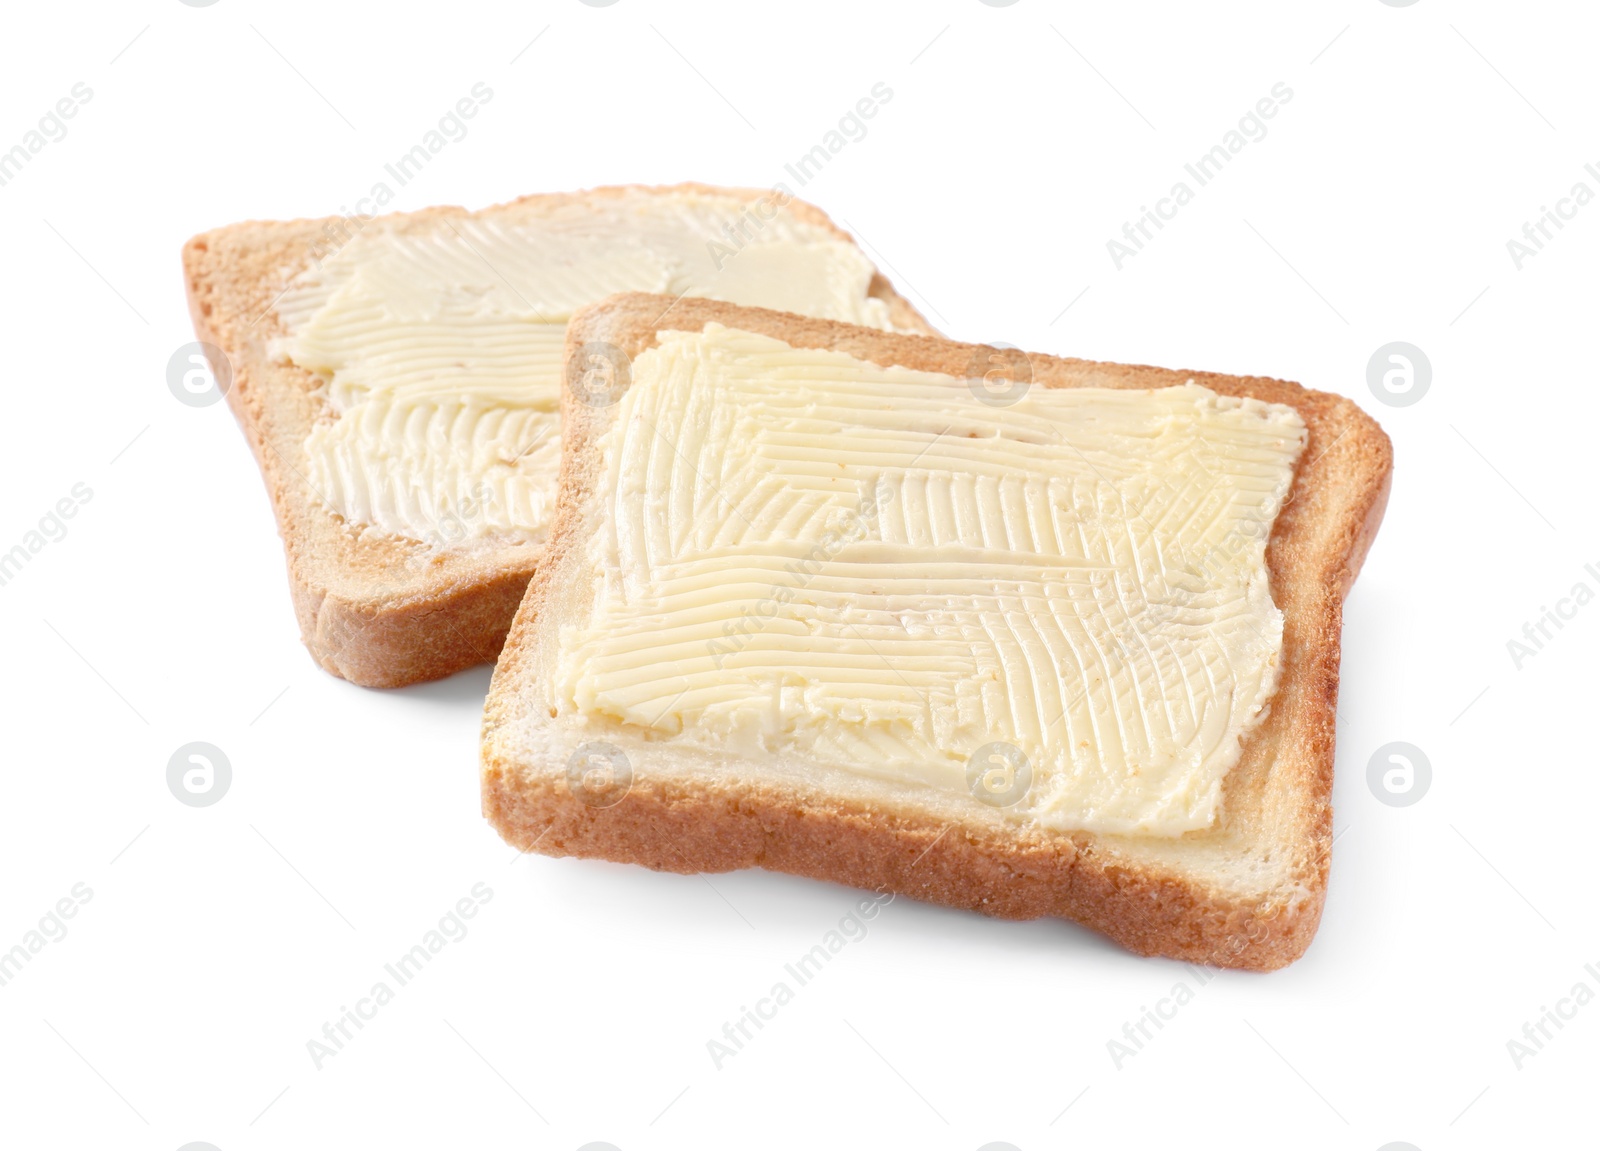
{"x":378,"y":610}
{"x":1246,"y":893}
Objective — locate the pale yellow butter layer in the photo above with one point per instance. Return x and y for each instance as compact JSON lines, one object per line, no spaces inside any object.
{"x":803,"y":554}
{"x":442,"y":346}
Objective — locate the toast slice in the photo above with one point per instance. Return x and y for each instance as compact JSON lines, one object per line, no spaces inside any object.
{"x":397,"y":378}
{"x":568,"y":770}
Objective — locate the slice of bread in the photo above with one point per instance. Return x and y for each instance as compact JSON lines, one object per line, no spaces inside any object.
{"x":381,"y":607}
{"x":1246,"y":891}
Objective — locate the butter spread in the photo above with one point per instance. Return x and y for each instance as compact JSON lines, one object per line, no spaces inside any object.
{"x":802,"y":554}
{"x":440,"y":341}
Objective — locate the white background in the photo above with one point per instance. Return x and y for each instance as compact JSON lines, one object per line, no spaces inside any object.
{"x":218,"y":941}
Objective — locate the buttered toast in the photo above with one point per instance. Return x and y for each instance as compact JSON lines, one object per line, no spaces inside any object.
{"x":1027,"y":635}
{"x":398,"y":379}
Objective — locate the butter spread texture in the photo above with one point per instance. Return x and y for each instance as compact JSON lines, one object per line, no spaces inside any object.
{"x":441,"y":341}
{"x":802,"y":554}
